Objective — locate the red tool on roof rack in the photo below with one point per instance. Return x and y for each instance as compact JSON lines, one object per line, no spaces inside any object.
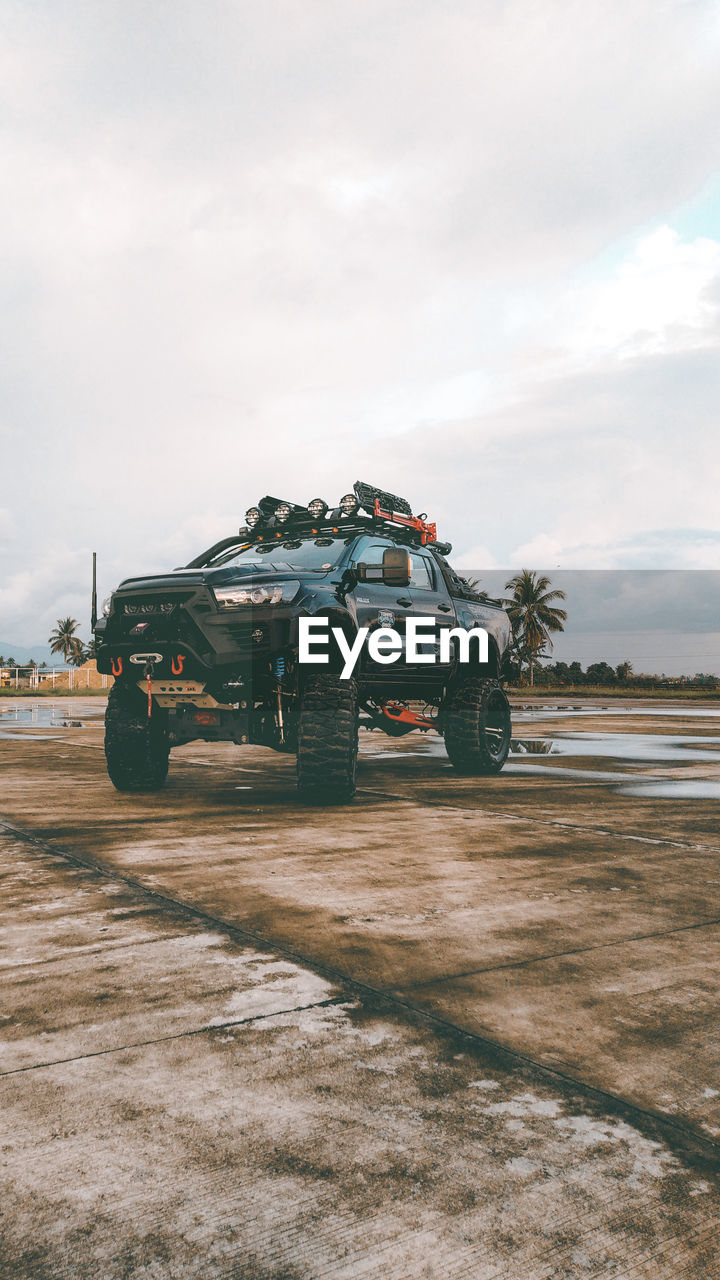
{"x":428,"y":532}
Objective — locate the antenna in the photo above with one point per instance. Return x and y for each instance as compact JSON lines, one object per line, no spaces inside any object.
{"x":93,"y":616}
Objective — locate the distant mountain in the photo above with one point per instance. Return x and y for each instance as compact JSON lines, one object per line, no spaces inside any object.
{"x":23,"y":652}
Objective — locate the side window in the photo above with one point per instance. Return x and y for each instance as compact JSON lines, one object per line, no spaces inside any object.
{"x":422,"y":577}
{"x":368,"y":552}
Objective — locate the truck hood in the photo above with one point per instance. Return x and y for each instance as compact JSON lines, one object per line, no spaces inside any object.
{"x":277,"y":572}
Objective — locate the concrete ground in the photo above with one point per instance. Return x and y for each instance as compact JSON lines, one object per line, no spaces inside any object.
{"x":461,"y":1028}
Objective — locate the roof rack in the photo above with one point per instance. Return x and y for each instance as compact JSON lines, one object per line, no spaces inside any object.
{"x":388,"y":506}
{"x":368,"y":496}
{"x":379,"y":505}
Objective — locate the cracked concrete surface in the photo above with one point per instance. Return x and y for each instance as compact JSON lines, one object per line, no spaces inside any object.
{"x":243,"y":1082}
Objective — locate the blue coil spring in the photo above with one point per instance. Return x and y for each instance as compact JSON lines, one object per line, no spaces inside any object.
{"x":278,"y":667}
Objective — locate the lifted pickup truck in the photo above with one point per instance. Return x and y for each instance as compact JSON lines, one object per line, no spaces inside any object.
{"x":213,"y":651}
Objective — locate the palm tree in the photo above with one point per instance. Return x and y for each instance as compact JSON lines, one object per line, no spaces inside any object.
{"x":533,"y":615}
{"x":63,"y":640}
{"x":624,"y":671}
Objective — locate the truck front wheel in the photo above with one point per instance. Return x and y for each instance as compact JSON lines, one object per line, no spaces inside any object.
{"x":136,"y":745}
{"x":327,"y":740}
{"x":477,"y":727}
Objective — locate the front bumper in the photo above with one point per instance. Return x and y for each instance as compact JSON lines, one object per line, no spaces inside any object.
{"x":215,"y":649}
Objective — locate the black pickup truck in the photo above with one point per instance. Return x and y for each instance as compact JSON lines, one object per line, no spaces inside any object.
{"x":216,"y":650}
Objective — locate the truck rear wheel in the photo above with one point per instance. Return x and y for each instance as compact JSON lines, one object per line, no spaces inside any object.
{"x":477,"y":727}
{"x":327,"y":740}
{"x":137,"y":748}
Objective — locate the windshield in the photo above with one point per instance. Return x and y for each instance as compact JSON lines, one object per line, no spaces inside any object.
{"x":319,"y":554}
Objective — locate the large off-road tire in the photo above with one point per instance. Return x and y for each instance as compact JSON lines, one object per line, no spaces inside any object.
{"x":327,"y":740}
{"x":136,"y":745}
{"x":477,"y":727}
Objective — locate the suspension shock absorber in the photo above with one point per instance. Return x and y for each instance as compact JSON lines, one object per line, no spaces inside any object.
{"x":278,"y":670}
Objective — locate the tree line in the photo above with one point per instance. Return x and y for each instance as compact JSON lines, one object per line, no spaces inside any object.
{"x":63,"y":640}
{"x":535,"y":616}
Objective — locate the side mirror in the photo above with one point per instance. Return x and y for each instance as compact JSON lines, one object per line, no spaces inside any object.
{"x":393,"y":572}
{"x":396,"y":567}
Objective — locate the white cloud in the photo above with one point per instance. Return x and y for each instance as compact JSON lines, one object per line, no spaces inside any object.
{"x":658,"y":299}
{"x":54,"y":585}
{"x":8,"y":527}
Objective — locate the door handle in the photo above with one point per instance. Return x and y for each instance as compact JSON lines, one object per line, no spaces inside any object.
{"x":405,"y":601}
{"x":445,"y":608}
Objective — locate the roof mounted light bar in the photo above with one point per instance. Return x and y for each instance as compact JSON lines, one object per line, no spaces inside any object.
{"x":378,"y":504}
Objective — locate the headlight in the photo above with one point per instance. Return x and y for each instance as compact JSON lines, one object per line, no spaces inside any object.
{"x":106,"y":607}
{"x":267,"y":593}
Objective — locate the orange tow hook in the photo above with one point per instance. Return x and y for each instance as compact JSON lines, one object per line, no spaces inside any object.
{"x":117,"y":666}
{"x":177,"y":664}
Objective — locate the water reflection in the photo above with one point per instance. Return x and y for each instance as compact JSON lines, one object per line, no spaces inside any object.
{"x":46,"y":715}
{"x":673,"y":789}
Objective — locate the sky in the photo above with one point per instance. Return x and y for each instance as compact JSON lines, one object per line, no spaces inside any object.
{"x":466,"y":250}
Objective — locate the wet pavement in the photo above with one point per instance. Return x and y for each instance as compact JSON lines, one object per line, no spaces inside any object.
{"x":463,"y":1027}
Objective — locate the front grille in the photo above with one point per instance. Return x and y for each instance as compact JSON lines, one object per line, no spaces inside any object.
{"x":134,"y":609}
{"x":143,"y":606}
{"x":166,"y":620}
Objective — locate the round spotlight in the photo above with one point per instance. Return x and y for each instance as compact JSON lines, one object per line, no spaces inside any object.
{"x":282,"y":513}
{"x":349,"y":504}
{"x":317,"y":508}
{"x":252,"y":515}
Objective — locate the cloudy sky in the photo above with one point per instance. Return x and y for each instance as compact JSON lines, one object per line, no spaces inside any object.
{"x":465,"y":249}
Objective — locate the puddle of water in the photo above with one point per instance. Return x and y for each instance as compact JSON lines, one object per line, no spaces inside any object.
{"x":638,"y":747}
{"x":672,"y":789}
{"x":635,"y":746}
{"x":45,"y":715}
{"x":622,"y":746}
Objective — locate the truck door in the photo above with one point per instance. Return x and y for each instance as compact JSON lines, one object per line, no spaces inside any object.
{"x":378,"y":605}
{"x":430,"y":599}
{"x":425,"y":596}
